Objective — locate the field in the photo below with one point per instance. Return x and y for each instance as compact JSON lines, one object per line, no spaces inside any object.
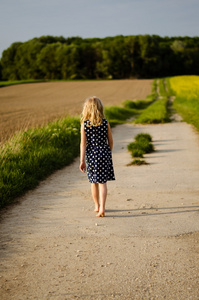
{"x":28,"y":105}
{"x":186,"y":91}
{"x":32,"y":154}
{"x":182,"y":85}
{"x":148,"y":242}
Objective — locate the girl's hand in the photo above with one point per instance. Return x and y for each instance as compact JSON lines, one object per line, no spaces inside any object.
{"x":82,"y":167}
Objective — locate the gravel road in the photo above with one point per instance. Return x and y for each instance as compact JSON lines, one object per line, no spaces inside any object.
{"x":147,"y":246}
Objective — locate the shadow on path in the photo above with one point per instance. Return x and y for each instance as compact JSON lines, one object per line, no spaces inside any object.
{"x":147,"y":212}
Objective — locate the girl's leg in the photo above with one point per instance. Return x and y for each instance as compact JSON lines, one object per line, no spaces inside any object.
{"x":103,"y":195}
{"x":95,"y":195}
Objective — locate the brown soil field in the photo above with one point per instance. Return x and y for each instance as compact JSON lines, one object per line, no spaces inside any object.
{"x":27,"y":105}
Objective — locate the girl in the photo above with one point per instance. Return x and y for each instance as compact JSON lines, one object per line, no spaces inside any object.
{"x":95,"y":132}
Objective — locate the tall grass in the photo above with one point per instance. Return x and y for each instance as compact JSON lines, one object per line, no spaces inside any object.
{"x":186,"y":91}
{"x":32,"y":155}
{"x":118,"y":115}
{"x":157,"y":112}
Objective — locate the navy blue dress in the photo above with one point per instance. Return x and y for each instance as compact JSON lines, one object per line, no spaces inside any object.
{"x":99,"y":163}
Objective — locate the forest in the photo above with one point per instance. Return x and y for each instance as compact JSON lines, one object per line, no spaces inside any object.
{"x":119,"y":57}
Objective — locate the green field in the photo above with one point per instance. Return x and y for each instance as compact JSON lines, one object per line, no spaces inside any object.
{"x":186,"y":102}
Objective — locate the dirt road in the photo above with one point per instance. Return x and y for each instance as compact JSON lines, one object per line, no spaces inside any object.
{"x":147,"y":246}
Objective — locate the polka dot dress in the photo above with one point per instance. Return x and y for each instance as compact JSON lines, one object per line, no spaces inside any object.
{"x":98,"y":154}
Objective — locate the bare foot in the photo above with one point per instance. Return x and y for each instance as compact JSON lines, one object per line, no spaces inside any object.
{"x":96,"y":209}
{"x":101,"y":214}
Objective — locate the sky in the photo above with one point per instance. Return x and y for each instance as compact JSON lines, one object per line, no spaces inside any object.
{"x":22,"y":20}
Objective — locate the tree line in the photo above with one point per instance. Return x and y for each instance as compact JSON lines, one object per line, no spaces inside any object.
{"x":140,"y":56}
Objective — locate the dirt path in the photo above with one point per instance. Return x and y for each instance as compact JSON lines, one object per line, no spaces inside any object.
{"x":53,"y":246}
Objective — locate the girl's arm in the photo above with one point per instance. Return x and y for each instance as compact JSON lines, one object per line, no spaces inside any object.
{"x":110,"y":138}
{"x":82,"y":149}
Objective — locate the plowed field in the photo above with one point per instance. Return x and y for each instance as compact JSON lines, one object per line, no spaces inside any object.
{"x":26,"y":105}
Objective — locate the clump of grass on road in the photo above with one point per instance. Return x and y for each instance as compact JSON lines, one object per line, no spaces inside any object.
{"x":32,"y":155}
{"x":143,"y":136}
{"x":142,"y":145}
{"x":138,"y":162}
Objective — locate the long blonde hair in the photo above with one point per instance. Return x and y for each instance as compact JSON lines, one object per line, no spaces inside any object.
{"x":93,"y":111}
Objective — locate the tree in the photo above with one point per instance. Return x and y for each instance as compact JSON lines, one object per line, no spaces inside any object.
{"x":48,"y":63}
{"x":68,"y":57}
{"x":9,"y":70}
{"x":141,"y":56}
{"x":26,"y":60}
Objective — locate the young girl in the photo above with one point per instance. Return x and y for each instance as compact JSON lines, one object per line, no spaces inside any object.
{"x":96,"y":145}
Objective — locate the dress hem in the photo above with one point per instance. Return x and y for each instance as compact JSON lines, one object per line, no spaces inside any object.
{"x":101,"y":181}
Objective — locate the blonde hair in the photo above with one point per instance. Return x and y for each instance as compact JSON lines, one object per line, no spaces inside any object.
{"x":93,"y":111}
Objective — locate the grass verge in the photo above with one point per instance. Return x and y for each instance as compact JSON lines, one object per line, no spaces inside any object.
{"x":119,"y":115}
{"x":14,"y":82}
{"x":186,"y":103}
{"x":32,"y":155}
{"x":157,"y":112}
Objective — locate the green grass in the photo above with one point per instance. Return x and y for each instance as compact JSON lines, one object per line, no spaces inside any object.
{"x":138,"y":104}
{"x":14,"y":82}
{"x":141,"y":146}
{"x":118,"y":115}
{"x":187,"y":103}
{"x":145,"y":136}
{"x":32,"y":155}
{"x":157,"y":112}
{"x":189,"y":110}
{"x":136,"y":152}
{"x":163,"y":87}
{"x":138,"y":162}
